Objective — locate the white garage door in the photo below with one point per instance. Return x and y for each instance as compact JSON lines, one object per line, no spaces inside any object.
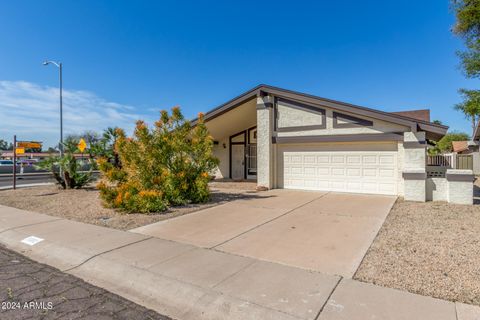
{"x":351,"y":171}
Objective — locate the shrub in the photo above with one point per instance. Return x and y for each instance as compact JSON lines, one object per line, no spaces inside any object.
{"x":66,"y":169}
{"x":159,"y":167}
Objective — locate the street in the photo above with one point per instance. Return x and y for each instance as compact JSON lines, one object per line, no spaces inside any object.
{"x":6,"y":180}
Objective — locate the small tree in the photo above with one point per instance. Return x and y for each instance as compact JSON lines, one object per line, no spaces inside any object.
{"x":66,"y":169}
{"x":444,"y":145}
{"x":163,"y":166}
{"x":470,"y":106}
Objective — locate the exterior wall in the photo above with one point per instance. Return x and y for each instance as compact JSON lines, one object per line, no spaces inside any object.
{"x":460,"y":186}
{"x":223,"y":169}
{"x":305,"y":116}
{"x":415,"y":190}
{"x":401,"y":167}
{"x":414,"y":172}
{"x":264,"y":142}
{"x":292,"y":117}
{"x":476,"y":160}
{"x":437,"y":189}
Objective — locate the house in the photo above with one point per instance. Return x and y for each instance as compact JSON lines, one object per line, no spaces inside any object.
{"x":287,"y":139}
{"x":461,"y":147}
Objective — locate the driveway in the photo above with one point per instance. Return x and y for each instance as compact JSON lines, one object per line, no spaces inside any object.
{"x":320,"y":231}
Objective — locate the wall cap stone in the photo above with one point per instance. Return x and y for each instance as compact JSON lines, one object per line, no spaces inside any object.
{"x":414,"y":174}
{"x":460,"y":175}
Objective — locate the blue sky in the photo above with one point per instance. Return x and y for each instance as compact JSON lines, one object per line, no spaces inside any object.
{"x":125,"y":60}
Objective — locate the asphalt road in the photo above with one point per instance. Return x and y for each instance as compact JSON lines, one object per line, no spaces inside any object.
{"x":6,"y":181}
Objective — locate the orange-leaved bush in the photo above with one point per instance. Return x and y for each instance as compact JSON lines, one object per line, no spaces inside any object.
{"x":159,"y":167}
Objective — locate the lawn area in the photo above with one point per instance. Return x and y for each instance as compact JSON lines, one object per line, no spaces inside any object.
{"x":84,"y":205}
{"x":430,"y":248}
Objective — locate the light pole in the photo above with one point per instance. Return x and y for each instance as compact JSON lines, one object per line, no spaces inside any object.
{"x":59,"y":66}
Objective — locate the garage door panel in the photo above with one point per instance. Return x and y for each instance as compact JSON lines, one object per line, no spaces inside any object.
{"x":352,"y":171}
{"x":369,"y":172}
{"x":323,"y":159}
{"x":338,"y":159}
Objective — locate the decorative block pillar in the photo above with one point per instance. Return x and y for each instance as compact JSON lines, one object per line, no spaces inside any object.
{"x":460,"y":186}
{"x":264,"y":141}
{"x":414,"y":166}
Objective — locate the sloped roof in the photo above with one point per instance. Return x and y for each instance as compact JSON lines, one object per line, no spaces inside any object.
{"x":422,"y":114}
{"x":433,"y":130}
{"x":459,"y":146}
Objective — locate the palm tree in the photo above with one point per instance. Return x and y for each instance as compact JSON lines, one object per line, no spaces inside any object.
{"x":470,"y":106}
{"x":110,"y":136}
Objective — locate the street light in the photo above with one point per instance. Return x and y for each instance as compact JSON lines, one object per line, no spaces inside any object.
{"x":59,"y":66}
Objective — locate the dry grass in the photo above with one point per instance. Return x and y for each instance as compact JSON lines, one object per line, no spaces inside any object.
{"x":84,"y":205}
{"x":429,"y":248}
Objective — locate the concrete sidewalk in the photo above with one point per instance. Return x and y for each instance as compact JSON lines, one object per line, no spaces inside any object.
{"x":188,"y":282}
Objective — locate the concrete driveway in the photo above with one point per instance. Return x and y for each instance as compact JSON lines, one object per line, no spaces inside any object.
{"x":320,"y":231}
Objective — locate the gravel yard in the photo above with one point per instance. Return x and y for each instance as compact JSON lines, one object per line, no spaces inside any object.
{"x":84,"y":205}
{"x":429,"y":248}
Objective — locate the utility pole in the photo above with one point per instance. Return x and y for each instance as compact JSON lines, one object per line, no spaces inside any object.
{"x":14,"y":162}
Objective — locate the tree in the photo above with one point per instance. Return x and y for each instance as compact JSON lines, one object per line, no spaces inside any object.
{"x":5,"y":145}
{"x":437,"y":122}
{"x":444,"y":145}
{"x":467,"y":26}
{"x":470,"y":106}
{"x":164,"y":166}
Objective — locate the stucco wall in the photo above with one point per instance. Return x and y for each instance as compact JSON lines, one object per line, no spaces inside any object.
{"x":264,"y":143}
{"x":223,"y":169}
{"x":292,"y":117}
{"x":401,"y":166}
{"x":437,"y":189}
{"x":379,"y":126}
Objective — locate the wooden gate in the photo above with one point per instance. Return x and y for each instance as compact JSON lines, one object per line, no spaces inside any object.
{"x":465,"y":161}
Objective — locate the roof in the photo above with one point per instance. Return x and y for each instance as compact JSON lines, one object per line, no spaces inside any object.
{"x":434,"y":131}
{"x":459,"y":146}
{"x":422,"y":114}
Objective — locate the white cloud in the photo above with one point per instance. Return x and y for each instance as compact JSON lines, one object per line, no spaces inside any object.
{"x":31,"y":112}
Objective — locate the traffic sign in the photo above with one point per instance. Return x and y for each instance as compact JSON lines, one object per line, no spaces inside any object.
{"x":29,"y":144}
{"x":82,"y":145}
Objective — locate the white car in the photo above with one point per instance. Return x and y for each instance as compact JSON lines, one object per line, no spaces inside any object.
{"x":4,"y":163}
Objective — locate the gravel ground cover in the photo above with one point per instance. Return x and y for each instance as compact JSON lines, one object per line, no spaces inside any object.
{"x":430,"y":248}
{"x":30,"y":290}
{"x":84,"y":205}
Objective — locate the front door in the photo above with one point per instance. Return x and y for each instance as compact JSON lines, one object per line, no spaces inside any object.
{"x":238,"y":161}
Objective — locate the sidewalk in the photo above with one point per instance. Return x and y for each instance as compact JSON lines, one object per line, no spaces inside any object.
{"x":188,"y":282}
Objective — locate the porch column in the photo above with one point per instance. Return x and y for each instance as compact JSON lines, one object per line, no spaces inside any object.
{"x":264,"y":141}
{"x":414,"y":168}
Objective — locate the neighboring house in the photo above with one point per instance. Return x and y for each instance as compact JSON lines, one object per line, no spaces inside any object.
{"x":461,"y":147}
{"x":287,"y":139}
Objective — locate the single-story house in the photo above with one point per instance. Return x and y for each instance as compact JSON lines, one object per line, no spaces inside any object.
{"x":286,"y":139}
{"x":461,"y":147}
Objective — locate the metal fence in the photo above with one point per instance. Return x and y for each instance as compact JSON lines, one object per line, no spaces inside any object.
{"x":441,"y":160}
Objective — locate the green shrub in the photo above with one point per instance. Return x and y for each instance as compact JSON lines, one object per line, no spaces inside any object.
{"x":66,"y":169}
{"x":159,"y":167}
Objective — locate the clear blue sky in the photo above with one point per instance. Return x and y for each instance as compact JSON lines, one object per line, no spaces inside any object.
{"x":127,"y":59}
